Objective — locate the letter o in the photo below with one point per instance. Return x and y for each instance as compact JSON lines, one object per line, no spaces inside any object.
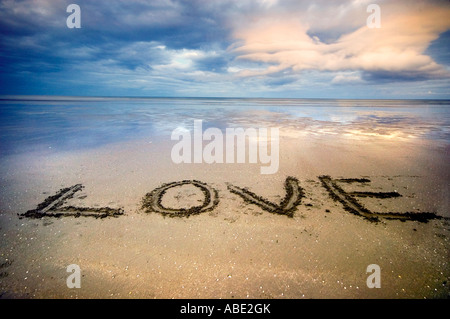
{"x":152,"y":201}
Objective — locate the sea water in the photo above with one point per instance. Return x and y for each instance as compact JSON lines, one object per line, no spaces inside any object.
{"x":53,"y":124}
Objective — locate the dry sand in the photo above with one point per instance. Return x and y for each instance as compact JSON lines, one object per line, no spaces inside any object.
{"x":237,"y":249}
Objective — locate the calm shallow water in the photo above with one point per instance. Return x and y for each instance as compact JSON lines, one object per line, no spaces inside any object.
{"x":59,"y":124}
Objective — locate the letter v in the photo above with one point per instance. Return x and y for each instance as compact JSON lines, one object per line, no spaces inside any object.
{"x":294,"y":194}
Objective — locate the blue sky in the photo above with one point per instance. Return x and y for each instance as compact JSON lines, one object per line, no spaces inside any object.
{"x":235,"y":48}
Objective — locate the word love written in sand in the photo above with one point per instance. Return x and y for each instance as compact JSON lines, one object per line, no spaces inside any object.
{"x":53,"y":206}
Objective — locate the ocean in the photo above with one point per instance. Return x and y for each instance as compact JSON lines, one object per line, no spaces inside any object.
{"x":52,"y":124}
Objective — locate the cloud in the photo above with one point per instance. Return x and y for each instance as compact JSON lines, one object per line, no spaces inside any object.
{"x":220,"y":47}
{"x":347,"y":78}
{"x":396,"y":50}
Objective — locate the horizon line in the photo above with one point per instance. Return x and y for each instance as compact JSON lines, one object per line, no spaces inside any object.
{"x":44,"y":97}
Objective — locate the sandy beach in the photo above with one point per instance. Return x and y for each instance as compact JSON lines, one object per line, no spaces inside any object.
{"x":221,"y":156}
{"x":236,"y":248}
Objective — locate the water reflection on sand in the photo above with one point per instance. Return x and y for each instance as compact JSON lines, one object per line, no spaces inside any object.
{"x":72,"y":123}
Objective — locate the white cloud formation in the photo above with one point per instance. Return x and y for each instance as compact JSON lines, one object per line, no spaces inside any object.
{"x":347,"y":78}
{"x":286,"y":41}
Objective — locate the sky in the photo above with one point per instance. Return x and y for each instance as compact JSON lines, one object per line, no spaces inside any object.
{"x":227,"y":48}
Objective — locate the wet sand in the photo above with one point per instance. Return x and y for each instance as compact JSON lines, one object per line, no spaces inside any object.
{"x":237,"y":248}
